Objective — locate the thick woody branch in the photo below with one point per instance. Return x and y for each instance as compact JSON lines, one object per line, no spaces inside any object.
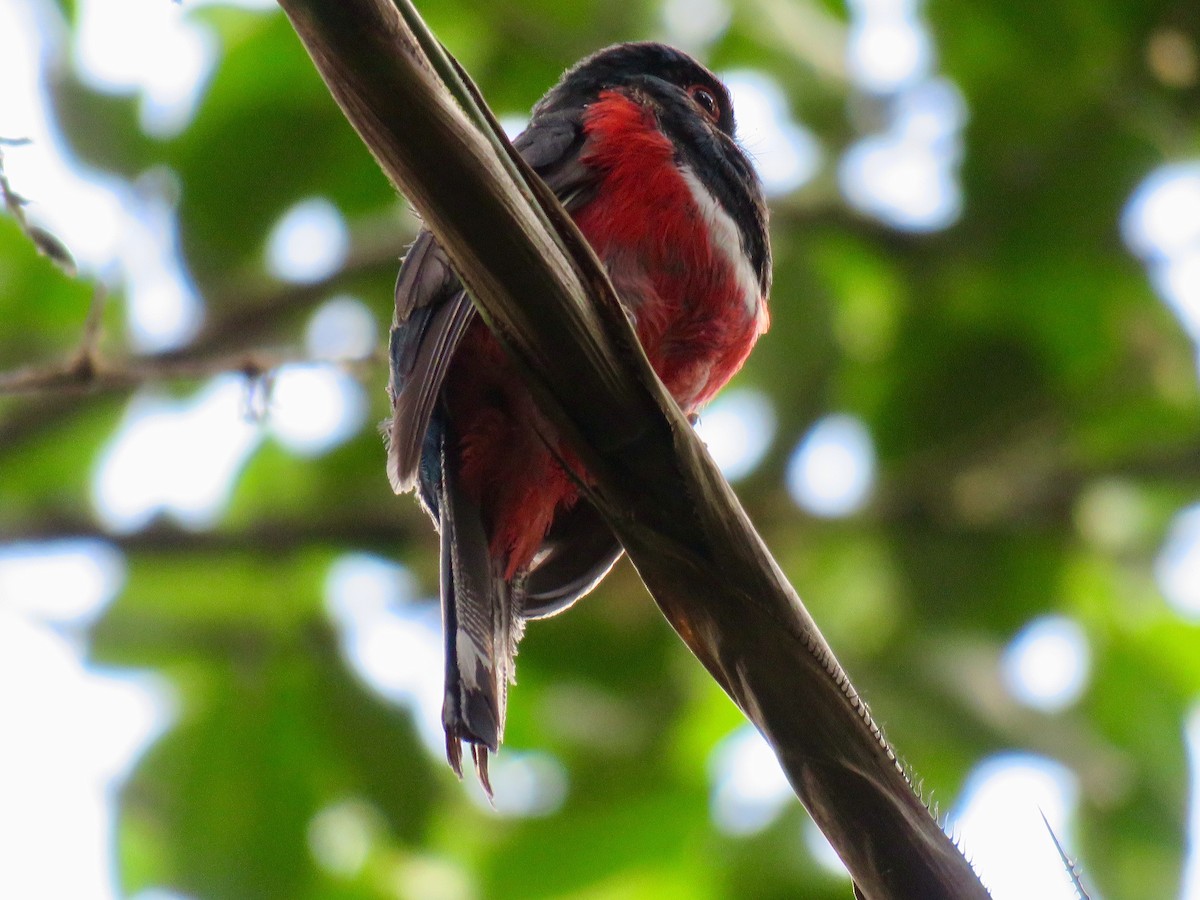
{"x":545,"y":295}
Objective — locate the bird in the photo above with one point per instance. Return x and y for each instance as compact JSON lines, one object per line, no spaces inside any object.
{"x":637,"y":141}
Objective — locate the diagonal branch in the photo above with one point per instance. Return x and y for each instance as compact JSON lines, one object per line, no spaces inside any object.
{"x":542,"y":291}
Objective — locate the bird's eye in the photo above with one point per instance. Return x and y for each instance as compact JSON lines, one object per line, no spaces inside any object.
{"x":706,"y":101}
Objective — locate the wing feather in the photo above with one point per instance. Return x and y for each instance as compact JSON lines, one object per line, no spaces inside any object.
{"x":433,"y":311}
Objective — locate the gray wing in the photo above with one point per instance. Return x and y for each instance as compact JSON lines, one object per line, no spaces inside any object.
{"x":578,"y":552}
{"x":433,"y":311}
{"x":432,"y":314}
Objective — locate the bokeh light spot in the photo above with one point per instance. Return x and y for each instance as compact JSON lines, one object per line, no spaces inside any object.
{"x":392,"y":643}
{"x":1047,"y":664}
{"x":62,"y":581}
{"x":121,"y":234}
{"x":694,"y":24}
{"x":888,"y":52}
{"x":315,"y":408}
{"x":1178,"y":282}
{"x":1162,"y":217}
{"x":749,"y":789}
{"x":525,"y":784}
{"x":1000,"y":823}
{"x":1177,"y":568}
{"x":906,"y":175}
{"x":177,"y":457}
{"x":79,"y":735}
{"x":342,"y":328}
{"x":1113,"y":514}
{"x":359,"y":586}
{"x":1161,"y":224}
{"x":738,"y":428}
{"x":340,"y":837}
{"x":149,"y":47}
{"x":433,"y":878}
{"x":308,"y":243}
{"x":1171,"y":56}
{"x":785,"y":153}
{"x":832,"y":470}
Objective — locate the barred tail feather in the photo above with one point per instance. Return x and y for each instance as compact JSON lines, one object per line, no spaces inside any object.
{"x":481,"y":623}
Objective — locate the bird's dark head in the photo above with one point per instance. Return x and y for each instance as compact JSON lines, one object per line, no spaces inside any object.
{"x":691,"y":108}
{"x":668,"y":78}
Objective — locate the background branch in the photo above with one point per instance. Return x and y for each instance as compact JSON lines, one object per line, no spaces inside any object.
{"x":265,"y":536}
{"x":92,"y":376}
{"x":242,"y":316}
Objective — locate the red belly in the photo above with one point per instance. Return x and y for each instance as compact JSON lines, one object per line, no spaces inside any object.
{"x":506,"y":467}
{"x":644,"y":223}
{"x":691,"y":318}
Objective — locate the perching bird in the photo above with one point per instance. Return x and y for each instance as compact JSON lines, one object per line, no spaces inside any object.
{"x":637,"y":141}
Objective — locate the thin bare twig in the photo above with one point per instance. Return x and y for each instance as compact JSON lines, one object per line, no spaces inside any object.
{"x":86,"y":374}
{"x":14,"y":204}
{"x":93,"y":327}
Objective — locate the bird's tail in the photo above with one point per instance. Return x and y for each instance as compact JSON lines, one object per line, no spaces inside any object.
{"x":481,"y":623}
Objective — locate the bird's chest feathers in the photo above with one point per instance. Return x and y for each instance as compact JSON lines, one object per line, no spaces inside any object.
{"x":672,"y":251}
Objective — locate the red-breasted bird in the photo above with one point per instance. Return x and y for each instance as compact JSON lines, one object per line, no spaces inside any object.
{"x":637,"y":141}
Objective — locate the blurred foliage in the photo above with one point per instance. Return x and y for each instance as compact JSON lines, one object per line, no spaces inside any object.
{"x":1007,"y":367}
